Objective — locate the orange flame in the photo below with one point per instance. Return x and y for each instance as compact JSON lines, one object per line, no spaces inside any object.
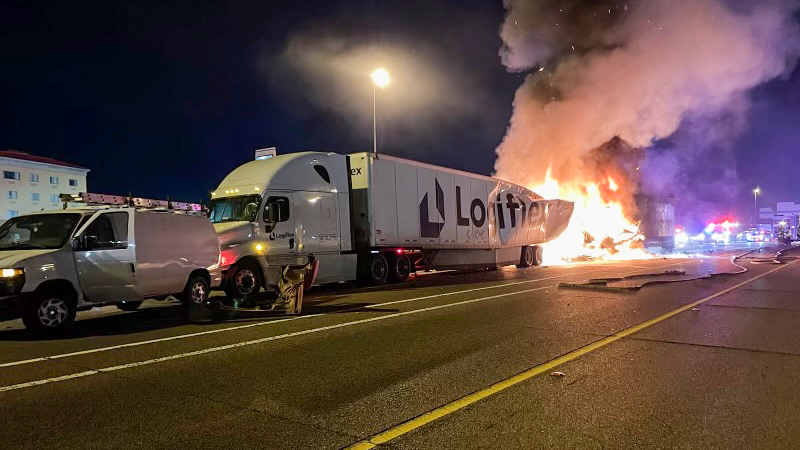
{"x":598,"y":229}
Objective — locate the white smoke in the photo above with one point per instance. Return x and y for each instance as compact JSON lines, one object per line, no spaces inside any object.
{"x":637,"y":72}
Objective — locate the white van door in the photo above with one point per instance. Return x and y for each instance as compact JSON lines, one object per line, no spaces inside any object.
{"x":105,"y":263}
{"x":278,"y":219}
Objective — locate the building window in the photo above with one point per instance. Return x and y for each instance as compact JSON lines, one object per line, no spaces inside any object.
{"x":53,"y":180}
{"x":73,"y":182}
{"x":12,"y":213}
{"x":9,"y":175}
{"x":34,"y":178}
{"x":35,"y":197}
{"x":53,"y":198}
{"x":12,"y":195}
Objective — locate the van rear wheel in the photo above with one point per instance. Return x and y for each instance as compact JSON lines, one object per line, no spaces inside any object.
{"x":49,"y":314}
{"x":244,"y":280}
{"x":196,"y":291}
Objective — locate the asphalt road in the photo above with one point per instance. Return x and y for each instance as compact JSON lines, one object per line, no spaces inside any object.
{"x":448,"y":360}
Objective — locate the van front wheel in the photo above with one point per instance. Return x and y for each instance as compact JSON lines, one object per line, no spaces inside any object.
{"x":49,"y":314}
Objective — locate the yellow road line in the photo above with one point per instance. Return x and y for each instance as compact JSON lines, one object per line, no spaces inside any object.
{"x":438,"y":413}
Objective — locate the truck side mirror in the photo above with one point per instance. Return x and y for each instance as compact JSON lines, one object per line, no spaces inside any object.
{"x":89,"y":242}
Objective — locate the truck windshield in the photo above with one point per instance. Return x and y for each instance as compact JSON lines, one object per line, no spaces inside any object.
{"x":234,"y":209}
{"x":38,"y":231}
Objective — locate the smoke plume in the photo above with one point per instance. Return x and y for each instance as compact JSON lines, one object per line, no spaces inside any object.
{"x":669,"y":76}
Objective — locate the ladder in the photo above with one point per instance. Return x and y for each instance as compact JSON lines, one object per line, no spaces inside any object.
{"x":93,"y":199}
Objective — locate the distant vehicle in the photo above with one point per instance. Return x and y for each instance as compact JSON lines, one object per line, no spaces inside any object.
{"x":371,"y":218}
{"x":55,"y":263}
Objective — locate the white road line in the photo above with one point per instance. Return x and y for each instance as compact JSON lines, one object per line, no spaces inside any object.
{"x":270,"y":338}
{"x":255,"y":341}
{"x":271,"y":322}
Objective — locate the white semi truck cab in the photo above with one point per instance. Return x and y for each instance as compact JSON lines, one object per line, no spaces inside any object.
{"x":360,"y":216}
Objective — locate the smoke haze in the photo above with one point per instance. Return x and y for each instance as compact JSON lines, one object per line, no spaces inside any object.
{"x":671,"y":76}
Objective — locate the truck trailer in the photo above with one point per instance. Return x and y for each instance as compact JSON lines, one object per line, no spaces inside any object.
{"x":371,"y":218}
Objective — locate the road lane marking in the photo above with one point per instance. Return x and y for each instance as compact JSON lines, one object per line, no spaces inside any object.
{"x":449,"y":408}
{"x":273,"y":338}
{"x":271,"y":322}
{"x":258,"y":341}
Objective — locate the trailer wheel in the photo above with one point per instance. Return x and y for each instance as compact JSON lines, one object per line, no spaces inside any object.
{"x":244,"y":280}
{"x":374,"y":269}
{"x":399,"y":267}
{"x":48,"y":314}
{"x":538,"y":253}
{"x":527,"y":257}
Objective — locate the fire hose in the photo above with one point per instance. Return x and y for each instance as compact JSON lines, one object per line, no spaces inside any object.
{"x":602,"y":284}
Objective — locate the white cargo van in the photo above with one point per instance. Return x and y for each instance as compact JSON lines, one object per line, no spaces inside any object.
{"x":55,"y":263}
{"x":361,"y":216}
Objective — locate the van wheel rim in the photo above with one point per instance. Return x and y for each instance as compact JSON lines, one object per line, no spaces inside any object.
{"x":199,"y":293}
{"x":53,"y":312}
{"x":245,"y":281}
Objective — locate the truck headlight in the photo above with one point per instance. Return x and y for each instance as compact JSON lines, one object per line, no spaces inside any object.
{"x":11,"y":273}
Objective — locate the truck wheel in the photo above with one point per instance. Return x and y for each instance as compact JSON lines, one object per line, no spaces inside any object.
{"x":527,"y":257}
{"x":399,"y":267}
{"x":129,"y":306}
{"x":538,"y":253}
{"x":49,"y":314}
{"x":374,"y":269}
{"x":243,"y":281}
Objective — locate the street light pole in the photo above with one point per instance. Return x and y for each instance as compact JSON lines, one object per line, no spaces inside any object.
{"x":756,"y":191}
{"x":380,"y":79}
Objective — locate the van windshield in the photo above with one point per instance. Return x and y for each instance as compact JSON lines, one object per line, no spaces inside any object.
{"x":234,"y":209}
{"x":38,"y":231}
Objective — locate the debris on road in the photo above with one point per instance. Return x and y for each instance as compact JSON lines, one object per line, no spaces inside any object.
{"x":556,"y":374}
{"x":695,"y":309}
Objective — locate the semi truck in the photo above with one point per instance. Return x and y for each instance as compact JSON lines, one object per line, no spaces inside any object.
{"x":371,"y":218}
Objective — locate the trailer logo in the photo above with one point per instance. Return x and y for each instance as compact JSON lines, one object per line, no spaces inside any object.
{"x":427,"y":228}
{"x":273,"y":236}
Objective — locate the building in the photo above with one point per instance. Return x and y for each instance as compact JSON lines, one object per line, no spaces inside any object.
{"x":34,"y":183}
{"x":784,"y":216}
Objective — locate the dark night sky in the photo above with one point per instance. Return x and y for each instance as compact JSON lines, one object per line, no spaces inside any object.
{"x":163,"y":99}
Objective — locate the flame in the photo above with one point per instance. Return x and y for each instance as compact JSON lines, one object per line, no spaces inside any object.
{"x":598,"y":229}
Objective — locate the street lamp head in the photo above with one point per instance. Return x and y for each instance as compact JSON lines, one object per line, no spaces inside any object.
{"x":757,"y":191}
{"x":380,"y":77}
